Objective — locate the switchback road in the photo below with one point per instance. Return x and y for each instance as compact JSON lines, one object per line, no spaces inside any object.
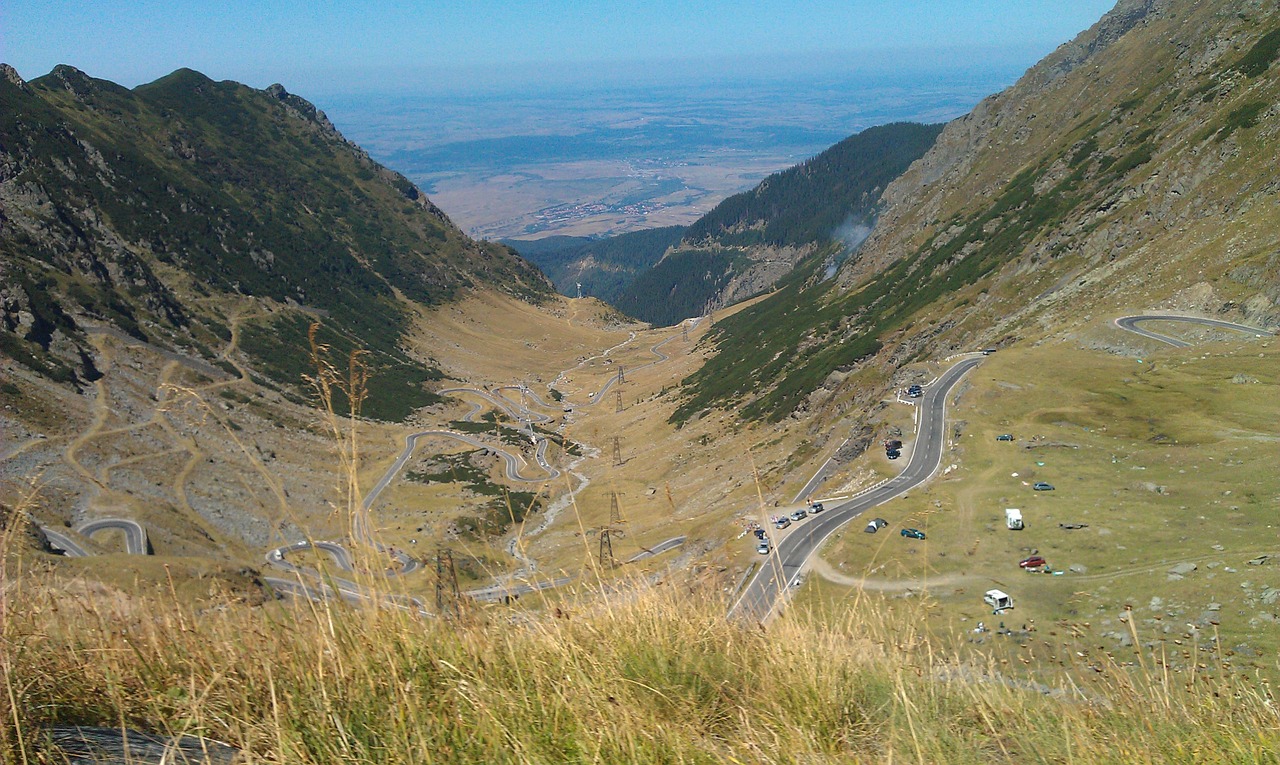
{"x":1129,"y":323}
{"x":768,"y":586}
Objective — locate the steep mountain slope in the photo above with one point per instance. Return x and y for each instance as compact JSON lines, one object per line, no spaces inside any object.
{"x":753,"y":239}
{"x":606,"y":267}
{"x":146,"y":210}
{"x":1132,"y":168}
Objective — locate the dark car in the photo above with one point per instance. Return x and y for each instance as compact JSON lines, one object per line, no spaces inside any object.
{"x":890,"y":444}
{"x":1005,"y":437}
{"x":893,"y":454}
{"x":912,"y":533}
{"x":1035,"y":561}
{"x":1042,"y":486}
{"x":759,"y":533}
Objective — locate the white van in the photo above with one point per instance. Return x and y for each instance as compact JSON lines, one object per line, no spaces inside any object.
{"x":998,"y":600}
{"x":1013,"y":518}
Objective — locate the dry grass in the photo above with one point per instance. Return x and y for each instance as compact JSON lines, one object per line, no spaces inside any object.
{"x":658,"y":676}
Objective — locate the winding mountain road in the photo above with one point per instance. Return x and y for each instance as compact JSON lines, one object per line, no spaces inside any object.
{"x":765,"y":590}
{"x":135,"y":537}
{"x":1130,"y":324}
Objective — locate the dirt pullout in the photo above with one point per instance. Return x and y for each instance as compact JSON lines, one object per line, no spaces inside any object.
{"x":825,"y":570}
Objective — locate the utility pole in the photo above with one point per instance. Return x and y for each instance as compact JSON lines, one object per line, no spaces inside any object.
{"x":684,"y":330}
{"x":448,"y":599}
{"x":617,"y":450}
{"x":619,"y":409}
{"x":622,"y":377}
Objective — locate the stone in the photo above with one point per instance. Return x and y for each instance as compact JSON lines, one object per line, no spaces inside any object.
{"x":1076,"y":568}
{"x":1182,"y":569}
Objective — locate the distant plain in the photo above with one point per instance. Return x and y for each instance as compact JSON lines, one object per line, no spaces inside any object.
{"x":587,"y":161}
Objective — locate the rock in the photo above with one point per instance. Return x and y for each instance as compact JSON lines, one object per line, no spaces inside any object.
{"x":1214,"y":607}
{"x":1219,"y":548}
{"x":1076,"y":568}
{"x":1270,"y":596}
{"x":1260,"y":560}
{"x":83,"y":745}
{"x":1182,"y":569}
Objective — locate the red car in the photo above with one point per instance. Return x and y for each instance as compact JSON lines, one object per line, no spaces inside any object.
{"x":1035,"y":561}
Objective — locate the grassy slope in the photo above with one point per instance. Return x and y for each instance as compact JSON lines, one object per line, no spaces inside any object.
{"x":1079,"y":191}
{"x":658,"y":677}
{"x":1162,"y":453}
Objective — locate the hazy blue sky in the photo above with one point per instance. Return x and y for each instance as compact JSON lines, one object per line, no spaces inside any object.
{"x":327,"y":46}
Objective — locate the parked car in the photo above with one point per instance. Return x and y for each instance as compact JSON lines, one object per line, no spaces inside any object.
{"x":893,"y":454}
{"x":915,"y":391}
{"x":782,"y":523}
{"x":891,"y":444}
{"x":1042,"y":486}
{"x":763,"y":548}
{"x":799,"y":515}
{"x":912,"y":533}
{"x":1005,"y":437}
{"x":816,"y":508}
{"x":1035,"y":561}
{"x":759,"y":534}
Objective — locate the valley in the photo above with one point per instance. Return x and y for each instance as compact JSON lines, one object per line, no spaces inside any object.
{"x":952,"y":443}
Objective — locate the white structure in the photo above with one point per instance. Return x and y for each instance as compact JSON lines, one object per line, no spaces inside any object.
{"x":1013,"y":518}
{"x":998,"y":600}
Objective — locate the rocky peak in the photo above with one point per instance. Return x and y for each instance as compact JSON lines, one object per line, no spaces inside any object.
{"x":301,"y":106}
{"x":10,"y":74}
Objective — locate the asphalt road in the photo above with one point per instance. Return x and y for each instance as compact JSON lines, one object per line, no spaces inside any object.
{"x":767,"y":587}
{"x":60,"y":541}
{"x":1130,"y":323}
{"x":135,"y":537}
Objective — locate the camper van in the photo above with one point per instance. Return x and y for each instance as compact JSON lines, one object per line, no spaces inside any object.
{"x":1013,"y":518}
{"x":998,"y":600}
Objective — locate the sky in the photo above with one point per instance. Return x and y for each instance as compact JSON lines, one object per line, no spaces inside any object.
{"x":324,"y":46}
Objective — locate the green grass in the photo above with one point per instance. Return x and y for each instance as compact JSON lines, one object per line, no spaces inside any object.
{"x":1166,"y":461}
{"x":491,"y":517}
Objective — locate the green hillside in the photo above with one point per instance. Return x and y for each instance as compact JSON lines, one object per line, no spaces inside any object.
{"x":141,"y":208}
{"x":1132,"y":168}
{"x":751,"y":240}
{"x":812,"y":201}
{"x":605,"y":267}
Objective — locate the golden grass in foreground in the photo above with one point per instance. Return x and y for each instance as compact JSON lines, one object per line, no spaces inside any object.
{"x":659,"y":676}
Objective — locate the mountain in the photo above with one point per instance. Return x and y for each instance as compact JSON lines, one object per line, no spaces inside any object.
{"x":150,"y":211}
{"x":604,"y":267}
{"x":749,"y":241}
{"x":1133,"y":167}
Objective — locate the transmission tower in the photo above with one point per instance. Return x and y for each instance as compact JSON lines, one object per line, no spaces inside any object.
{"x":617,"y":450}
{"x":448,"y":600}
{"x":684,"y":330}
{"x":606,"y":549}
{"x":615,"y":511}
{"x":619,"y":409}
{"x":622,"y":377}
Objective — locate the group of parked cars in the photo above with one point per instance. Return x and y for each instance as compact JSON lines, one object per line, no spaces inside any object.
{"x":784,"y":521}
